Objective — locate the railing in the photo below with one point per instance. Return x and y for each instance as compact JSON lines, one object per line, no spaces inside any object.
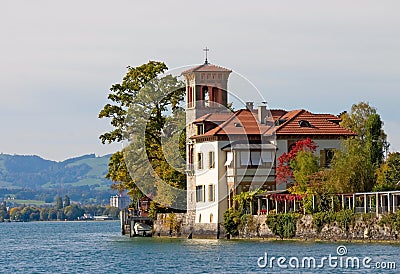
{"x":190,"y":169}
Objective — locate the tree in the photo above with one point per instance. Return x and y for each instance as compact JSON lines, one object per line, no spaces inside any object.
{"x":354,"y":168}
{"x":44,"y":214}
{"x":284,"y":172}
{"x":388,"y":175}
{"x":232,"y":218}
{"x":52,"y":215}
{"x":72,"y":212}
{"x":122,"y":95}
{"x":3,"y":212}
{"x":366,"y":122}
{"x":144,"y":110}
{"x":59,"y":202}
{"x":119,"y":174}
{"x":15,"y":213}
{"x":304,"y":166}
{"x":67,"y":201}
{"x":375,"y":139}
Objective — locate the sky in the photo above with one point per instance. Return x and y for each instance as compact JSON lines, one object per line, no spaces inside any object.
{"x":58,"y":60}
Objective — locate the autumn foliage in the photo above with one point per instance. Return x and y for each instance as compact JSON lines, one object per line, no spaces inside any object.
{"x":284,"y":173}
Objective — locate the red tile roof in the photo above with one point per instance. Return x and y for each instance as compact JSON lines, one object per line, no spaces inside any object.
{"x":276,"y":113}
{"x":207,"y":68}
{"x":303,"y":122}
{"x":296,"y":122}
{"x":241,"y":122}
{"x":214,"y":117}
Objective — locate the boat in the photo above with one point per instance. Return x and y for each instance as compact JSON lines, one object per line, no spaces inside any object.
{"x":142,"y":229}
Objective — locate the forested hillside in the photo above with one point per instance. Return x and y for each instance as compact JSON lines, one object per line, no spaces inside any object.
{"x":34,"y":178}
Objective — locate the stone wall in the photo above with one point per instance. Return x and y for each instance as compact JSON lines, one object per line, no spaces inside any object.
{"x":358,"y":230}
{"x":179,"y":225}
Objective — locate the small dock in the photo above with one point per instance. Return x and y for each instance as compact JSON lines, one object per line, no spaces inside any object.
{"x":128,"y":220}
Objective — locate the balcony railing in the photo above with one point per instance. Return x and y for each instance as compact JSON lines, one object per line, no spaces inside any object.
{"x":190,"y":169}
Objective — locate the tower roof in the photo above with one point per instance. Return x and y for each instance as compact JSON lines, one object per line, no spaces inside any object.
{"x":207,"y":68}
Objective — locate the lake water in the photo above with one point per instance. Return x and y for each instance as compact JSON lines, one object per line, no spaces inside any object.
{"x":98,"y":247}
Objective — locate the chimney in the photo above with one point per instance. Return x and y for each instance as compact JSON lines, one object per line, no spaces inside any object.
{"x":262,"y":114}
{"x":249,"y":105}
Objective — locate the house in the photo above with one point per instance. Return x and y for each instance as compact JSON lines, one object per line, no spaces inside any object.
{"x":229,"y":152}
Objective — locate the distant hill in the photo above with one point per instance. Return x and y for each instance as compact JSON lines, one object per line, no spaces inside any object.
{"x":84,"y":175}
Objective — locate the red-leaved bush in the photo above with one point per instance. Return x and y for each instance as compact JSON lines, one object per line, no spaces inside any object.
{"x":283,"y":171}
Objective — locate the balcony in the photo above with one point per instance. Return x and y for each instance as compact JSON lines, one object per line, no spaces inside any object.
{"x":260,"y":174}
{"x":190,"y":169}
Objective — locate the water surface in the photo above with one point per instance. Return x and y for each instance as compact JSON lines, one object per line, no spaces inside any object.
{"x":98,"y":247}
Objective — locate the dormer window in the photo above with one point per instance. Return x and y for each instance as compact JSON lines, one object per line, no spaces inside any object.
{"x":280,"y":122}
{"x":200,"y":129}
{"x":304,"y":123}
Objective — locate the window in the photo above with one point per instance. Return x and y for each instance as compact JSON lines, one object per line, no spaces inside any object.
{"x":199,"y":160}
{"x":245,"y":158}
{"x":211,"y":193}
{"x":204,"y":95}
{"x":304,"y":123}
{"x":199,"y":193}
{"x":199,"y":218}
{"x":211,"y":217}
{"x":200,"y":129}
{"x":255,"y":157}
{"x":326,"y":156}
{"x":266,"y":156}
{"x":251,"y":158}
{"x":229,"y":158}
{"x":211,"y":159}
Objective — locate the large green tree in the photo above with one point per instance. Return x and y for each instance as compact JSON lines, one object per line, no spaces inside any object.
{"x":388,"y":175}
{"x":145,"y":109}
{"x":122,"y":96}
{"x":364,"y":120}
{"x":354,"y":168}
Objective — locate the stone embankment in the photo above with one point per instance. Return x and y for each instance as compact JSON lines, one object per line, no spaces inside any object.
{"x":361,"y":228}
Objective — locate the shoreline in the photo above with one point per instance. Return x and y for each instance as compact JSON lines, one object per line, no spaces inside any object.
{"x":288,"y":240}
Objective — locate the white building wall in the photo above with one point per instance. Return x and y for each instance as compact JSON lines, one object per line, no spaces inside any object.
{"x":214,"y":176}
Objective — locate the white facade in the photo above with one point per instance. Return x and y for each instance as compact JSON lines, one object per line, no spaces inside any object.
{"x":211,"y":181}
{"x":120,"y":200}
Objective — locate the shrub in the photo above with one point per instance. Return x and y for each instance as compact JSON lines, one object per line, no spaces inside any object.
{"x":282,"y":224}
{"x":248,"y":225}
{"x":343,"y":219}
{"x":391,"y":220}
{"x":232,"y":220}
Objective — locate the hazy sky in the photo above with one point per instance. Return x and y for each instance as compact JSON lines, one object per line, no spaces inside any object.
{"x":58,"y":59}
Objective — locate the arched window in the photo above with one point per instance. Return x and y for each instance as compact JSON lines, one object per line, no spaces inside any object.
{"x":205,"y":96}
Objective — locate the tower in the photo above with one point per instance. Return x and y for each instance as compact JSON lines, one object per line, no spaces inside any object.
{"x":206,"y":93}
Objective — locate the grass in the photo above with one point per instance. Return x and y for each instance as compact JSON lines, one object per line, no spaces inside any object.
{"x":29,"y":202}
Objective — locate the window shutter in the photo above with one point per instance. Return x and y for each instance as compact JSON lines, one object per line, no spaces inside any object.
{"x":322,"y":158}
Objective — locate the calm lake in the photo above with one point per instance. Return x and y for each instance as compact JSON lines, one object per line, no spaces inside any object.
{"x":98,"y":247}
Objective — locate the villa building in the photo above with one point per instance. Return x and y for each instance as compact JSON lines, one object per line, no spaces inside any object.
{"x":229,"y":152}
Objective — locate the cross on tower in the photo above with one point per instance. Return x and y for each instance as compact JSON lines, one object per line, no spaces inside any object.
{"x":206,"y":50}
